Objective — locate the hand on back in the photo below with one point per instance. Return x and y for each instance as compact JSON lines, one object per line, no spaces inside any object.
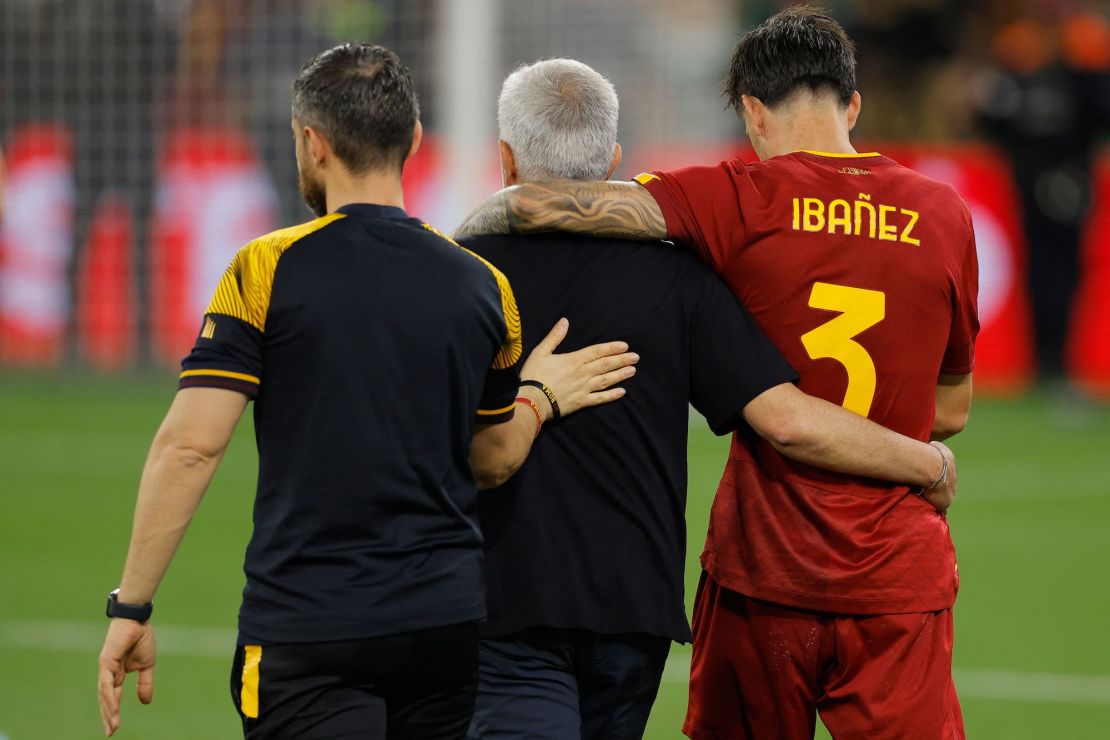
{"x":582,"y":378}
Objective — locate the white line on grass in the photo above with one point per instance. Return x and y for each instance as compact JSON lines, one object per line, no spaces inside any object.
{"x":200,"y":642}
{"x":981,"y":684}
{"x":209,"y":642}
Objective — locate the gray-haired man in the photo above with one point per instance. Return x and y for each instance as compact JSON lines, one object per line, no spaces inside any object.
{"x":585,"y":547}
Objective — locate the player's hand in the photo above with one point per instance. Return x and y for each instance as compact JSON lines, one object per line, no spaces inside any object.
{"x":128,"y":647}
{"x":579,"y":379}
{"x":944,"y":494}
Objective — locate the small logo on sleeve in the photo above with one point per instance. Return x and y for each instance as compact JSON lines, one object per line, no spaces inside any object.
{"x":209,"y":330}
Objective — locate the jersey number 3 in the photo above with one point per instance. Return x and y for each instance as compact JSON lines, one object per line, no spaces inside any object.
{"x":859,"y":310}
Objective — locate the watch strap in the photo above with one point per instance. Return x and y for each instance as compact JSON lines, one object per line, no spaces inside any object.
{"x":119,"y":610}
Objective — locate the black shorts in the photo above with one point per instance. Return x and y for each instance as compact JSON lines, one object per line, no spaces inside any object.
{"x":414,"y":685}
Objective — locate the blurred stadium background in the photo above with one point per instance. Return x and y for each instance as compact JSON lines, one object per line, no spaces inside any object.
{"x":146,"y":140}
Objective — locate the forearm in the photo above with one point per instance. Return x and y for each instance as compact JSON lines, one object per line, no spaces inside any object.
{"x":173,"y":483}
{"x":497,"y":452}
{"x":609,"y":208}
{"x":832,"y":438}
{"x":814,"y":431}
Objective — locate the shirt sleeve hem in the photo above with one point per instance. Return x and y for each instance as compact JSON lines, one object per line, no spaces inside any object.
{"x":958,"y":359}
{"x":658,"y":190}
{"x":496,"y":416}
{"x":246,"y":384}
{"x":721,"y":426}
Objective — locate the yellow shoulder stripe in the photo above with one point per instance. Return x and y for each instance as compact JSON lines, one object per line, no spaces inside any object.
{"x":645,"y":177}
{"x":513,"y":345}
{"x":244,"y":291}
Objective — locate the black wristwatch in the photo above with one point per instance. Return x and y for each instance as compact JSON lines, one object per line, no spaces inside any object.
{"x":118,"y":610}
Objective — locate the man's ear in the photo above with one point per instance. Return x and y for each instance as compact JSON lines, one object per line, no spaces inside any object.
{"x":509,"y":174}
{"x":318,"y":147}
{"x":755,"y":115}
{"x":417,"y":137}
{"x":616,"y":161}
{"x":854,"y":107}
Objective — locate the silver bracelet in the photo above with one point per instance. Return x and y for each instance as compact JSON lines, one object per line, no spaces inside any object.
{"x":943,"y":477}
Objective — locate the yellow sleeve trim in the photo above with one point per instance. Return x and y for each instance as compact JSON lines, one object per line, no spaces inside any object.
{"x":248,"y":696}
{"x":645,"y":177}
{"x":222,"y":374}
{"x":840,"y":155}
{"x":497,"y":412}
{"x":513,"y":344}
{"x":244,"y":290}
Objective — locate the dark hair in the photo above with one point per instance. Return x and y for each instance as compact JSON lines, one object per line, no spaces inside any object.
{"x":361,"y":98}
{"x":802,"y":46}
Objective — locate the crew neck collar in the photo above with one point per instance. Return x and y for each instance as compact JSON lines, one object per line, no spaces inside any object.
{"x":372,"y":209}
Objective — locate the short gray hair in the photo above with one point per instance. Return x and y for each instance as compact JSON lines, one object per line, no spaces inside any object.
{"x":559,"y":117}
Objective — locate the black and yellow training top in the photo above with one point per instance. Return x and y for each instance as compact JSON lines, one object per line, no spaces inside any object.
{"x":371,"y":344}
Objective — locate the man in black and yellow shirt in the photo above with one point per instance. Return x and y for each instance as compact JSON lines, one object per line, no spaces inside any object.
{"x":367,"y":340}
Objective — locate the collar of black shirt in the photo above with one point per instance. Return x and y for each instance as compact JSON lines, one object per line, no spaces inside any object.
{"x":373,"y":209}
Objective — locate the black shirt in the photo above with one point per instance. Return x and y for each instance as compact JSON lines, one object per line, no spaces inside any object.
{"x":366,"y":339}
{"x":591,"y":532}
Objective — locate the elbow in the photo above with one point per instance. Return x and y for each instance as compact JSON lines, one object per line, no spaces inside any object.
{"x":784,"y":432}
{"x":949,"y":424}
{"x":493,"y":476}
{"x":186,"y":454}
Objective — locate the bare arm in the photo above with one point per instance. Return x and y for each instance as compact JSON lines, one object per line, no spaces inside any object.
{"x":953,"y":405}
{"x":498,"y":450}
{"x":607,"y":208}
{"x":819,"y":433}
{"x":577,"y":379}
{"x":182,"y":459}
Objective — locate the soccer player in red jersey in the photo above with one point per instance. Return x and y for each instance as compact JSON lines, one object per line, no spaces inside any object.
{"x":821,"y":592}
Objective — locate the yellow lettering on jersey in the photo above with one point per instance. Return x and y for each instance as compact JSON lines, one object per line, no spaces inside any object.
{"x":905,"y":235}
{"x":887,"y":232}
{"x":813,"y":214}
{"x":859,"y":217}
{"x":862,"y":205}
{"x":844,"y":220}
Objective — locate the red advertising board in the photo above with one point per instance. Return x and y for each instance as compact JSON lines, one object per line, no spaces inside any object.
{"x":1089,"y":341}
{"x":36,"y":245}
{"x":213,"y":197}
{"x":1004,"y":351}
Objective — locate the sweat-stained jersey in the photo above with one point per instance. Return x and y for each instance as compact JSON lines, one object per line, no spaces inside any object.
{"x":366,"y":340}
{"x":864,"y":274}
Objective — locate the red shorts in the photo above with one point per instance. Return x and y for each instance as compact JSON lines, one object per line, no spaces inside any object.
{"x":760,"y":670}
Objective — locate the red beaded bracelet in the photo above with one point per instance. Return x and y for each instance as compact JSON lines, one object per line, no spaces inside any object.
{"x":535,"y":410}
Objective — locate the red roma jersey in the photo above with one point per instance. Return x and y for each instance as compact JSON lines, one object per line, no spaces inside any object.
{"x":864,"y":274}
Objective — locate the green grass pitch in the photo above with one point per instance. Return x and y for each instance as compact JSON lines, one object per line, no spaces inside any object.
{"x":1032,"y":527}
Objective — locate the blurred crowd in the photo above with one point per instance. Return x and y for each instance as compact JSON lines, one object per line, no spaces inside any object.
{"x":1033,"y":78}
{"x":1030,"y":76}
